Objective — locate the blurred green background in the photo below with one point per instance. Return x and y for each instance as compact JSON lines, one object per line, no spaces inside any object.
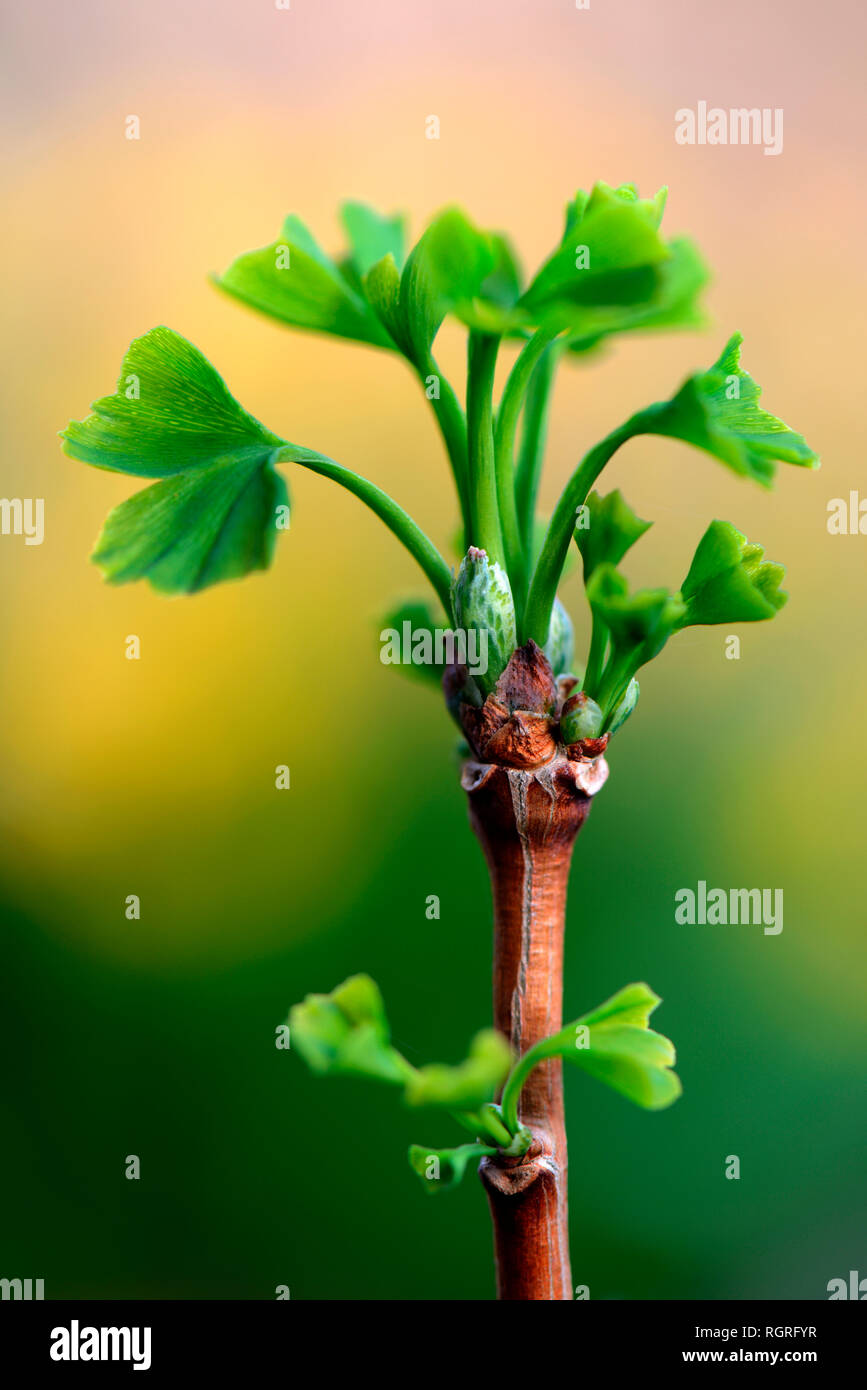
{"x":156,"y":777}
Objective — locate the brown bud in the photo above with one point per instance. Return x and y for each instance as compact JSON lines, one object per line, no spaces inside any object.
{"x":528,"y":681}
{"x":480,"y":723}
{"x":525,"y":740}
{"x":586,"y":748}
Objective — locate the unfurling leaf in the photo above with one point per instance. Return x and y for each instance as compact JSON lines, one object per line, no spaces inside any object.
{"x":295,"y":282}
{"x":447,"y":267}
{"x":502,"y":284}
{"x":612,"y":529}
{"x":346,"y":1033}
{"x":468,"y":1085}
{"x":622,"y":711}
{"x":216,"y":512}
{"x":614,"y":273}
{"x":729,"y":581}
{"x":615,"y":1044}
{"x":672,"y":302}
{"x":609,"y":248}
{"x":641,"y":620}
{"x":371,"y":236}
{"x":718,"y":411}
{"x":639,"y":625}
{"x":441,"y":1169}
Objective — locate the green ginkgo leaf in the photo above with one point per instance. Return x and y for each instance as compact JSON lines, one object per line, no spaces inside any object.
{"x":468,"y":1085}
{"x":609,"y":250}
{"x":217,"y":522}
{"x":216,"y":512}
{"x":673,"y":302}
{"x":637,"y":619}
{"x":611,"y":529}
{"x":639,"y":625}
{"x":502,"y":284}
{"x":614,"y":273}
{"x":729,"y":581}
{"x":446,"y":267}
{"x":494,"y":306}
{"x":346,"y":1033}
{"x":442,"y":1169}
{"x":371,"y":236}
{"x":295,"y":282}
{"x":718,"y":411}
{"x":615,"y":1044}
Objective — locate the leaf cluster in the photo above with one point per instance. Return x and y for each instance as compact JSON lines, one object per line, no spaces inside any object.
{"x":346,"y":1033}
{"x":220,"y":500}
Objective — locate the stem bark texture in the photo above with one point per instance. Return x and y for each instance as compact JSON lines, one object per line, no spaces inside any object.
{"x":526,"y":820}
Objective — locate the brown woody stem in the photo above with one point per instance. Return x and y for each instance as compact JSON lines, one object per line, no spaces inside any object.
{"x":526,"y":820}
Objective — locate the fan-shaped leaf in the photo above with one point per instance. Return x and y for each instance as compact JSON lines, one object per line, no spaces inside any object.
{"x":216,"y":512}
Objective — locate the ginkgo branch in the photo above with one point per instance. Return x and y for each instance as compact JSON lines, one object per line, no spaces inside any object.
{"x":486,"y":523}
{"x":552,"y":557}
{"x":514,"y":393}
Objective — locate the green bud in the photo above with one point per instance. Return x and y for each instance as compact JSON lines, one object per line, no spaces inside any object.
{"x":626,"y":706}
{"x":483,"y":604}
{"x":560,"y":646}
{"x":580,"y":718}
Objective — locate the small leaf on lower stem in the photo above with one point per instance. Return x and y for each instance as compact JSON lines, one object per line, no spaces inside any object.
{"x":346,"y":1032}
{"x":442,"y":1169}
{"x":468,"y":1085}
{"x":614,"y":1043}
